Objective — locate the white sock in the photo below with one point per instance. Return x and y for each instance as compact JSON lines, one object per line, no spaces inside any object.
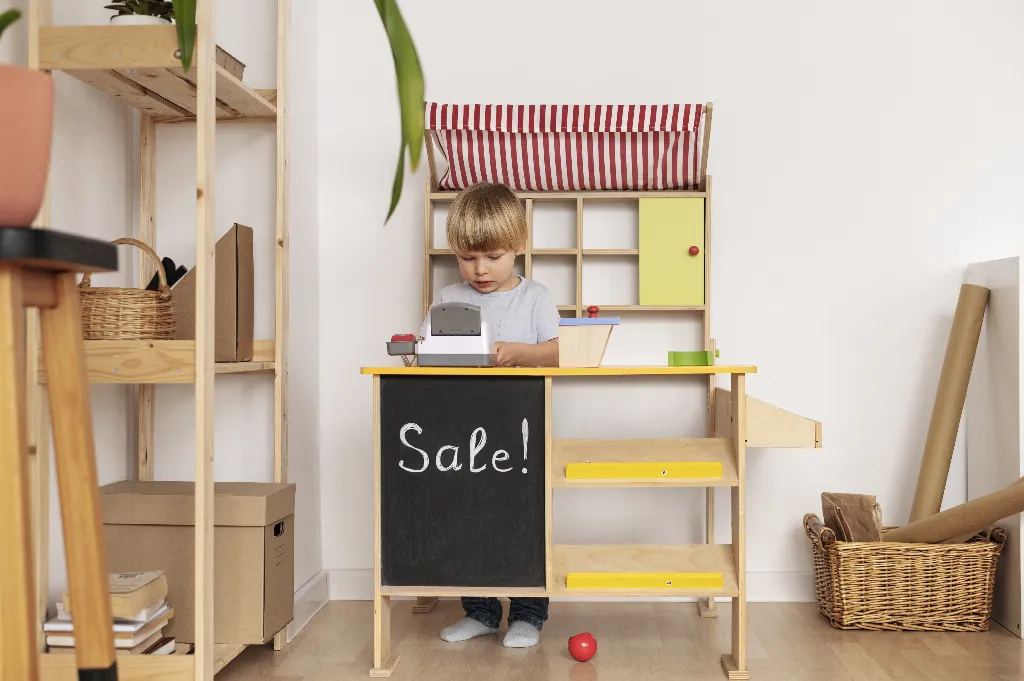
{"x":521,"y":635}
{"x":465,"y":629}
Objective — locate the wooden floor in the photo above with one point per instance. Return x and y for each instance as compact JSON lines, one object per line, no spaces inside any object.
{"x":787,"y":642}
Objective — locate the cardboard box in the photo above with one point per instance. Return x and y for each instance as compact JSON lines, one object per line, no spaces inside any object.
{"x":235,"y":306}
{"x":151,"y":526}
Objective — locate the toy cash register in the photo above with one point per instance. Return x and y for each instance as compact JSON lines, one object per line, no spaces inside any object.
{"x":456,"y":336}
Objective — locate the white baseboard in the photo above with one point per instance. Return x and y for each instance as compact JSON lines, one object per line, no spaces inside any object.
{"x":780,"y":587}
{"x":350,"y":585}
{"x":310,"y":597}
{"x":767,"y":587}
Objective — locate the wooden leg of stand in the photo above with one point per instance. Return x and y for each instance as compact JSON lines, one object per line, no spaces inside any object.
{"x":424,"y":604}
{"x":74,"y":452}
{"x":384,"y":662}
{"x":706,"y":606}
{"x":18,"y":651}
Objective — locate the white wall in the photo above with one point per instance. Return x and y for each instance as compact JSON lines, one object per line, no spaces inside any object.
{"x":844,"y":140}
{"x":95,"y":192}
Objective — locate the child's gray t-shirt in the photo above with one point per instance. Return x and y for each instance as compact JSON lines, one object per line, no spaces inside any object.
{"x":525,"y":314}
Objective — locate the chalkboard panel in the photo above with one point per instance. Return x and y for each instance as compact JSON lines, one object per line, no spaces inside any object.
{"x":462,"y":481}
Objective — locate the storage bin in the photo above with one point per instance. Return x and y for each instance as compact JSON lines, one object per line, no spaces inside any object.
{"x":893,"y":586}
{"x":110,"y":313}
{"x":234,"y":298}
{"x":151,"y":526}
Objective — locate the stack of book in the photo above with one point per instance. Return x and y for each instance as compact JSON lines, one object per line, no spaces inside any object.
{"x":138,"y":602}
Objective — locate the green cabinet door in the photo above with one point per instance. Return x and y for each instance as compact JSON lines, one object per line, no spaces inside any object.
{"x":672,"y":251}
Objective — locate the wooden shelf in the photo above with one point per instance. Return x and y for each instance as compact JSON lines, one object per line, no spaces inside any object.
{"x":136,"y":65}
{"x":130,"y":667}
{"x":458,"y":591}
{"x":615,"y":451}
{"x":645,"y":561}
{"x":61,"y":667}
{"x":140,"y":66}
{"x":648,"y":308}
{"x":557,"y":251}
{"x":223,"y":653}
{"x":768,"y":425}
{"x":553,"y":251}
{"x":143,"y":362}
{"x":611,"y":251}
{"x":560,"y":371}
{"x":638,"y":308}
{"x":586,"y":195}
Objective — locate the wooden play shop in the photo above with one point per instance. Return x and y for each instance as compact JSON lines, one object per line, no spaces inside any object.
{"x":447,"y":468}
{"x":140,"y":66}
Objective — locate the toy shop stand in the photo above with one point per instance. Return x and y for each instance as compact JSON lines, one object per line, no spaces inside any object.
{"x":447,"y":467}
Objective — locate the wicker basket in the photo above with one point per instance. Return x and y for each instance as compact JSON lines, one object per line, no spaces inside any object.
{"x":128,"y":313}
{"x":892,"y":586}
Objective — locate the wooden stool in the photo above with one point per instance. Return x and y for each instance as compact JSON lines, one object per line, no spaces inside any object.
{"x":37,"y":269}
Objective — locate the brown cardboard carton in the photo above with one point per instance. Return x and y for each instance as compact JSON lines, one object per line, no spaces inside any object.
{"x":235,"y":305}
{"x":150,"y":526}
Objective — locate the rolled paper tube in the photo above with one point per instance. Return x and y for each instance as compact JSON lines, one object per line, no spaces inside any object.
{"x":949,"y":401}
{"x":964,"y":520}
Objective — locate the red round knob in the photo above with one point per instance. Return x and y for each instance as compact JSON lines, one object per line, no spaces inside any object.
{"x":694,"y":250}
{"x":593,"y":310}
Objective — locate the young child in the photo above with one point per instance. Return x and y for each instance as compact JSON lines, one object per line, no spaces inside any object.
{"x":487,"y":230}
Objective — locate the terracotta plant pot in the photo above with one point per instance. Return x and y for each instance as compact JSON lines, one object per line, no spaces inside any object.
{"x":26,"y":132}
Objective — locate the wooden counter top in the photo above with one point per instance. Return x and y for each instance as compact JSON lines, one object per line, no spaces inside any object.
{"x":558,"y":371}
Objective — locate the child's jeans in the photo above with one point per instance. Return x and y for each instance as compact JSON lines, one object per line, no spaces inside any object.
{"x":487,"y":611}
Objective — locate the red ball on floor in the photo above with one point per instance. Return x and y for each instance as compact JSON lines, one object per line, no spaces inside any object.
{"x":582,"y":646}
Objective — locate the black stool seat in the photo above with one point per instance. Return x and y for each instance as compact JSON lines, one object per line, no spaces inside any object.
{"x":46,"y":249}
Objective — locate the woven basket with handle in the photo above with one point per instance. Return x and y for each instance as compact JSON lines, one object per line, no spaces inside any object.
{"x":128,"y":313}
{"x":893,"y":586}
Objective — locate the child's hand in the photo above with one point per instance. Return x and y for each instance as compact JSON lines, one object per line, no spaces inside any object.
{"x":509,"y":354}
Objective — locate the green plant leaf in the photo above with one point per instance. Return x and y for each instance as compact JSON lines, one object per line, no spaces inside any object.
{"x":409,"y":77}
{"x":185,"y":20}
{"x":8,"y":18}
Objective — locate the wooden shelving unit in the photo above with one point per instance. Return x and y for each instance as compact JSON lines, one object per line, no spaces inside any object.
{"x":433,"y":256}
{"x":139,"y":66}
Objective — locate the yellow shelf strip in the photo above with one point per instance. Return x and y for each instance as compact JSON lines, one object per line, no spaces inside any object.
{"x":644,"y":580}
{"x":643,"y":470}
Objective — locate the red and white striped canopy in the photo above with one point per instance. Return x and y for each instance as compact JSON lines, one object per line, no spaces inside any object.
{"x":541,"y":147}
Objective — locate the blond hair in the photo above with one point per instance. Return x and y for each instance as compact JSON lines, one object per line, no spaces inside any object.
{"x":486,"y":217}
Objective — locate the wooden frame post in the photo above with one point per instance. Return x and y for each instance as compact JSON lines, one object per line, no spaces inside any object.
{"x":206,"y":121}
{"x":735,"y":663}
{"x":579,"y":256}
{"x":706,"y":146}
{"x":282,"y":246}
{"x":707,"y":607}
{"x":146,"y":392}
{"x":549,"y":509}
{"x":383,"y":661}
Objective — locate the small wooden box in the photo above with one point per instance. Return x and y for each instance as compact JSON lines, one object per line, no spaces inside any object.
{"x":582,"y":342}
